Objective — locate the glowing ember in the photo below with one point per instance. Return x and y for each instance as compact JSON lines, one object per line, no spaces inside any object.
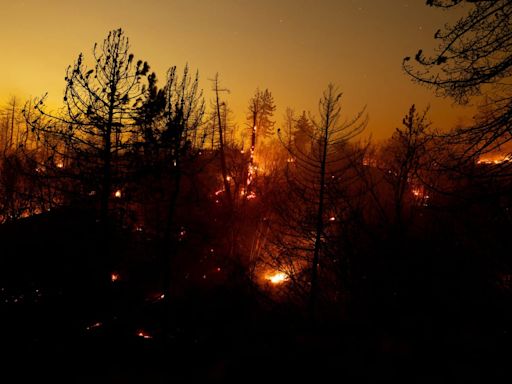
{"x":277,"y":278}
{"x":95,"y":325}
{"x":114,"y":277}
{"x":144,"y":335}
{"x":228,"y":178}
{"x":217,"y":193}
{"x":251,"y":196}
{"x":332,"y":218}
{"x":118,"y":194}
{"x":60,"y":164}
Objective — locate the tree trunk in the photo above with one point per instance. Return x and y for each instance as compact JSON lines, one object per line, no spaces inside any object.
{"x":319,"y":225}
{"x":223,"y":166}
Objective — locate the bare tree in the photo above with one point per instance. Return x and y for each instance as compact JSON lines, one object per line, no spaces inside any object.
{"x":306,"y":218}
{"x":473,"y":59}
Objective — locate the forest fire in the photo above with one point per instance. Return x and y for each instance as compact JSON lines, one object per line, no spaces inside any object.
{"x":189,"y":234}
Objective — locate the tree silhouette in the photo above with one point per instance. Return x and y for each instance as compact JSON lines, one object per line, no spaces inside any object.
{"x":302,"y":134}
{"x":301,"y":242}
{"x":220,"y":123}
{"x":473,"y":59}
{"x":176,"y":113}
{"x":95,"y":127}
{"x":404,"y":157}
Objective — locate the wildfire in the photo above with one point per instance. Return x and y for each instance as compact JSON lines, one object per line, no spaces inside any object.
{"x":277,"y":277}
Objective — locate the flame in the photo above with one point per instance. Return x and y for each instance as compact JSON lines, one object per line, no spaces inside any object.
{"x":60,"y":164}
{"x":114,"y":277}
{"x":118,"y":194}
{"x":420,"y":193}
{"x":277,"y":277}
{"x":494,"y":159}
{"x":251,"y":196}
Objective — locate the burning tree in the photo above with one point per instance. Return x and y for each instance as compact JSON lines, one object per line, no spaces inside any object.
{"x":261,"y":110}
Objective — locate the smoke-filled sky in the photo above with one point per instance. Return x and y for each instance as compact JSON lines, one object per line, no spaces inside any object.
{"x":292,"y":47}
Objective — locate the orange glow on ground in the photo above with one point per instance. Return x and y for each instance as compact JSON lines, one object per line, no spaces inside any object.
{"x":498,"y":159}
{"x":277,"y":277}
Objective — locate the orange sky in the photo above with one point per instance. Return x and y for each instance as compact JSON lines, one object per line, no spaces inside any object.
{"x":293,"y":47}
